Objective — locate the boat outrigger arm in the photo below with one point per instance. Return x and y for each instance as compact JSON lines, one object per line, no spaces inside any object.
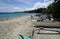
{"x":49,"y":28}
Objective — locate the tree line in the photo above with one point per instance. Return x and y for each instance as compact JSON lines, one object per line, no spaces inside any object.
{"x":53,"y":10}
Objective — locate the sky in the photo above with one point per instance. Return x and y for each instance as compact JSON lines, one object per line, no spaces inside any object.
{"x":23,"y":5}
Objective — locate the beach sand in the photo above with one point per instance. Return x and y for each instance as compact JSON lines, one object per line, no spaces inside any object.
{"x":9,"y":29}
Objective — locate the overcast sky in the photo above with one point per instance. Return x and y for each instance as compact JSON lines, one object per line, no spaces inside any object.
{"x":22,"y":5}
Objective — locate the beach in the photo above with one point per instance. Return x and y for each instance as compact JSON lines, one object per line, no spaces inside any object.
{"x":10,"y":29}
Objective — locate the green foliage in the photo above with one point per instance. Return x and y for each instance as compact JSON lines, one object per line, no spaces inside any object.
{"x":39,"y":10}
{"x":54,"y":9}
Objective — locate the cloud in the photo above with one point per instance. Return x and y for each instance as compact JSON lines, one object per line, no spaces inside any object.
{"x":9,"y":8}
{"x":45,"y":4}
{"x":28,"y":2}
{"x":14,"y":5}
{"x":6,"y":7}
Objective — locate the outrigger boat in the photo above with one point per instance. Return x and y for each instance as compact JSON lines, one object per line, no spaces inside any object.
{"x":49,"y":26}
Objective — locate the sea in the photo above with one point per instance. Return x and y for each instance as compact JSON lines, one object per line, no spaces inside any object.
{"x":7,"y":15}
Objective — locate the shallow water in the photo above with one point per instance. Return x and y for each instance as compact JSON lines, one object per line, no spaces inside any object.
{"x":11,"y":15}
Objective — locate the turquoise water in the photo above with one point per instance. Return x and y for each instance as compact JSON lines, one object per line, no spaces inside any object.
{"x":9,"y":15}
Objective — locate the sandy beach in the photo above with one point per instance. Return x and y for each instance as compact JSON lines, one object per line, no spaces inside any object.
{"x":10,"y":29}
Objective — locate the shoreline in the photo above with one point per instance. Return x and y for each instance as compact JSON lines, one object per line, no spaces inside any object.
{"x":9,"y":29}
{"x":6,"y":19}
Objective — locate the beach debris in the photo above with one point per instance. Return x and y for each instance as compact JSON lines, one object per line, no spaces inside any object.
{"x":24,"y":37}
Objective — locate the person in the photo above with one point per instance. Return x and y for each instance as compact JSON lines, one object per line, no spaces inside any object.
{"x":31,"y":17}
{"x":41,"y":19}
